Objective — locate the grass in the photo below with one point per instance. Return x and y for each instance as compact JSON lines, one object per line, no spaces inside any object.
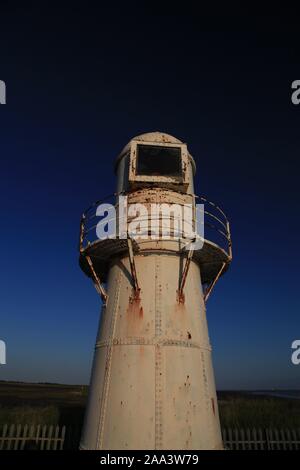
{"x":29,"y":415}
{"x":259,"y":411}
{"x":25,"y":403}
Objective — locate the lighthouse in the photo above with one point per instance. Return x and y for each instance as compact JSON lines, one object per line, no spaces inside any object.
{"x":154,"y":251}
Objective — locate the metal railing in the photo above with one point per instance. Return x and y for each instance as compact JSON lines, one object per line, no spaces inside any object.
{"x":216,"y":224}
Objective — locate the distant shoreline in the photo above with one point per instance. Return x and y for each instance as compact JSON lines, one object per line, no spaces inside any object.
{"x":281,"y":393}
{"x":290,"y":394}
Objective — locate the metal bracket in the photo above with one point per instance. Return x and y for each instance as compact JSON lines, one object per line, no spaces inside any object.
{"x":132,"y":266}
{"x":98,"y":286}
{"x":184,"y":275}
{"x":81,"y":234}
{"x":212,"y":285}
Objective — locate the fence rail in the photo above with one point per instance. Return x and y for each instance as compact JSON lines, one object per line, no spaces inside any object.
{"x":261,"y":439}
{"x":43,"y":437}
{"x":27,"y":437}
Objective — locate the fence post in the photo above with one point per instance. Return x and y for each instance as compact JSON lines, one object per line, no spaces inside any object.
{"x":268,"y":439}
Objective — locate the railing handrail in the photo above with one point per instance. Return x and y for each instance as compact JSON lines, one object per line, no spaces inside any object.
{"x":87,"y":216}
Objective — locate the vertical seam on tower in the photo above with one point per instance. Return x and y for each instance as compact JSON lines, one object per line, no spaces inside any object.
{"x":158,"y":356}
{"x":108,"y":360}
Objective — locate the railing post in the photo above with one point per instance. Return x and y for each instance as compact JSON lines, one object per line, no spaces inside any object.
{"x":268,"y":439}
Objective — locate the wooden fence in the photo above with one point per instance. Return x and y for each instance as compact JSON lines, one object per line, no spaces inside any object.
{"x":25,"y":437}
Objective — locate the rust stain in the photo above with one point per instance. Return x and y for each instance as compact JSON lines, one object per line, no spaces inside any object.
{"x":180,"y":297}
{"x":134,"y":313}
{"x":181,"y":320}
{"x":135,"y":296}
{"x":180,"y":307}
{"x":134,"y":302}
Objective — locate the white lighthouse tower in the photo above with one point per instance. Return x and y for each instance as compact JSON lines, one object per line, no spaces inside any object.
{"x":152,"y":383}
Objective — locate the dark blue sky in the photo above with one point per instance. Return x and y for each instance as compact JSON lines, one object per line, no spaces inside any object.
{"x":80,"y":83}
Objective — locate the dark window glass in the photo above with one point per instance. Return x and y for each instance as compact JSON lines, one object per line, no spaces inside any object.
{"x":154,"y":160}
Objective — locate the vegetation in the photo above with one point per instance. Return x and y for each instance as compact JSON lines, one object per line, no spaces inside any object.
{"x":24,"y":403}
{"x":243,"y":410}
{"x":29,"y":415}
